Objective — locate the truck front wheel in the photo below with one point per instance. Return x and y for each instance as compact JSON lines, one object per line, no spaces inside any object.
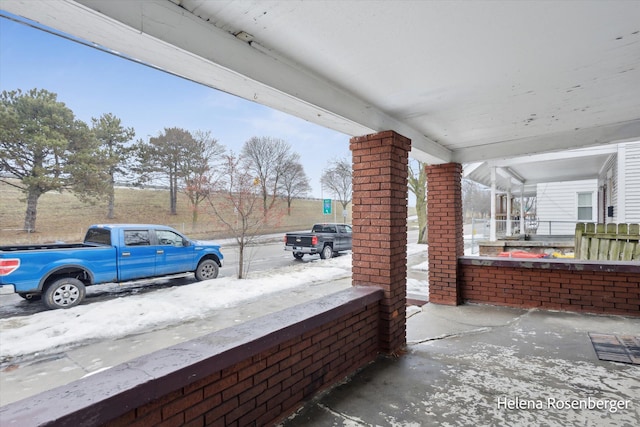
{"x":207,"y":269}
{"x":327,"y":252}
{"x":63,"y":293}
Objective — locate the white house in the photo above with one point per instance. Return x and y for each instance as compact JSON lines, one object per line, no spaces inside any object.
{"x":561,"y":204}
{"x":611,"y":197}
{"x":619,"y":186}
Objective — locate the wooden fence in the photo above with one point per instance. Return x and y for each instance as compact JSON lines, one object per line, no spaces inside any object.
{"x":613,"y":242}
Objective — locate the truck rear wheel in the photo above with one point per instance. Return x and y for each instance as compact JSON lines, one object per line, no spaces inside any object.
{"x":63,"y":293}
{"x":327,"y":252}
{"x":207,"y":269}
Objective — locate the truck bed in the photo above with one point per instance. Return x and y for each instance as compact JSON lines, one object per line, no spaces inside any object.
{"x":38,"y":246}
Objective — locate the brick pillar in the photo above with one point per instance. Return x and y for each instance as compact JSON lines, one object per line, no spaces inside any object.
{"x":380,"y":171}
{"x":446,"y":239}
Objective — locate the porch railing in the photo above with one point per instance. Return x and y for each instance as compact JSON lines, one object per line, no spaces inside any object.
{"x":532,"y":227}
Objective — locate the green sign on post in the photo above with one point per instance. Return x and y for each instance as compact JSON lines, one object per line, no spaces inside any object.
{"x":326,"y":207}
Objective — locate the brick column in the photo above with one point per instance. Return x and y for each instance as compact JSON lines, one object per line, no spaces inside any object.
{"x":380,"y":171}
{"x":446,"y":239}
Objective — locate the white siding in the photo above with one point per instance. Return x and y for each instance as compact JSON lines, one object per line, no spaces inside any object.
{"x":558,"y":201}
{"x":632,"y":182}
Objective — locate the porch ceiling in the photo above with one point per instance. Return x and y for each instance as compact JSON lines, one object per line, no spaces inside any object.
{"x":466,"y":81}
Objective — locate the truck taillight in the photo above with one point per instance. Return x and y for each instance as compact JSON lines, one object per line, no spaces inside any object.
{"x":314,"y":240}
{"x":8,"y":266}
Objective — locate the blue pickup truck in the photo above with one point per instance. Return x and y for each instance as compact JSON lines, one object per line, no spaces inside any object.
{"x":59,"y":273}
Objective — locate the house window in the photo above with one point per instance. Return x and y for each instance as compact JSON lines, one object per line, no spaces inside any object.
{"x":585,"y":206}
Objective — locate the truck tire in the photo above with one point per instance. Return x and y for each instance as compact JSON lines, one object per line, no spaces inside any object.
{"x":63,"y":293}
{"x":30,"y":297}
{"x":298,"y":255}
{"x":207,"y":269}
{"x":327,"y":252}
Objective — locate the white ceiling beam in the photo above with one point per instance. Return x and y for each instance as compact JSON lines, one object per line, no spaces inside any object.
{"x":564,"y":155}
{"x":599,"y":135}
{"x":469,"y":168}
{"x":162,"y":34}
{"x":545,"y":157}
{"x":513,"y":175}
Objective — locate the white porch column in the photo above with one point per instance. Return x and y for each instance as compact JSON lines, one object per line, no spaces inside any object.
{"x":509,"y":231}
{"x":492,"y":222}
{"x":522,"y":231}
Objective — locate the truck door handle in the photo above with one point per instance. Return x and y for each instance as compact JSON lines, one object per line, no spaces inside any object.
{"x":126,"y":253}
{"x":159,"y":252}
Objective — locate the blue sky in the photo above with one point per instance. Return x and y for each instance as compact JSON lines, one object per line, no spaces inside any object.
{"x":91,"y":83}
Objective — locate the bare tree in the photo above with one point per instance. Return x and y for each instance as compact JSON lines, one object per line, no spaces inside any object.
{"x":266,"y":158}
{"x":418,"y":186}
{"x":196,"y":170}
{"x":237,"y":205}
{"x":476,"y":199}
{"x":295,"y":182}
{"x":337,"y":178}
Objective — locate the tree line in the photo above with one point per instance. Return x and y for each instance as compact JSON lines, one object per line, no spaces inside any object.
{"x":46,"y":148}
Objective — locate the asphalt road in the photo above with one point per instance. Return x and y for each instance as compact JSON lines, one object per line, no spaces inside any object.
{"x":261,"y":257}
{"x":264,"y":256}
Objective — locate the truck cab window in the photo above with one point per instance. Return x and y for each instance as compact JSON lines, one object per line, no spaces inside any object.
{"x":168,"y":238}
{"x":100,"y":236}
{"x":136,"y":238}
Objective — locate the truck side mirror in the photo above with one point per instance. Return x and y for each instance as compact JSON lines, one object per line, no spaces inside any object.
{"x":186,"y":242}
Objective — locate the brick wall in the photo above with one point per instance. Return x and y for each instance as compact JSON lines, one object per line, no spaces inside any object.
{"x":380,"y":192}
{"x":253,"y":374}
{"x":569,"y":285}
{"x":446,"y":241}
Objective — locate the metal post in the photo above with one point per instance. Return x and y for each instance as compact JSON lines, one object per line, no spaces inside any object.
{"x":473,"y":234}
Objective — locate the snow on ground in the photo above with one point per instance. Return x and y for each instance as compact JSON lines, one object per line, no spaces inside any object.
{"x":419,"y":286}
{"x":136,"y":313}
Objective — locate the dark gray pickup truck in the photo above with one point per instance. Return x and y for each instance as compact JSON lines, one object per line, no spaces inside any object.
{"x":324,"y":239}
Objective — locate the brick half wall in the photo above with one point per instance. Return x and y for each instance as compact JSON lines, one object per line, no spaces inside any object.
{"x":580,"y":286}
{"x":255,"y":373}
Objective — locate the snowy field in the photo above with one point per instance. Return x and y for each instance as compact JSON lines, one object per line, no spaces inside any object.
{"x":133,"y":314}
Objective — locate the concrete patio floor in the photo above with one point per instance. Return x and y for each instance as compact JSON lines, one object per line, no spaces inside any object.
{"x":489,"y":366}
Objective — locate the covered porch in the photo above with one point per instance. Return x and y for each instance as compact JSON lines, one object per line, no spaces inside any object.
{"x":517,"y":178}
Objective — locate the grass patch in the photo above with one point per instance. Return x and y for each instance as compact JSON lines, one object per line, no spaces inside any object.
{"x":63,"y":217}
